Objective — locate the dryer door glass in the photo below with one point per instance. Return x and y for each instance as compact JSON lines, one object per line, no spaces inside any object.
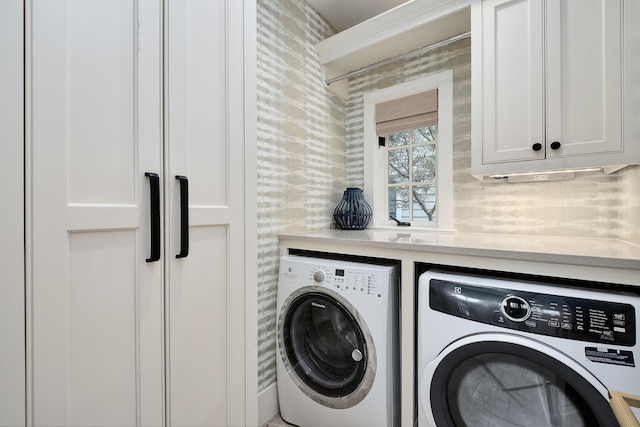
{"x":506,"y":385}
{"x":325,"y":345}
{"x":512,"y":391}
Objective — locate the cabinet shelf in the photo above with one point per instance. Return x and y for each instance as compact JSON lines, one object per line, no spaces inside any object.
{"x":396,"y":32}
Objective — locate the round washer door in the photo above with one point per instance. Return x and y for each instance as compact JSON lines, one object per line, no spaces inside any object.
{"x":506,"y":380}
{"x":326,"y":347}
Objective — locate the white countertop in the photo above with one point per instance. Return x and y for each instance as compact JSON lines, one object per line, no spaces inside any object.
{"x":586,"y":251}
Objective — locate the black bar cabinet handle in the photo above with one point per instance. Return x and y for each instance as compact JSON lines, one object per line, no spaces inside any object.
{"x":184,"y":216}
{"x":154,"y":187}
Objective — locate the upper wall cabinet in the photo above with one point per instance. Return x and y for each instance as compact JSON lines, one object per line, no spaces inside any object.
{"x":551,"y":86}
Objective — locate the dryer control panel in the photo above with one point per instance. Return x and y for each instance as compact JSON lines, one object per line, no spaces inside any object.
{"x":552,"y":315}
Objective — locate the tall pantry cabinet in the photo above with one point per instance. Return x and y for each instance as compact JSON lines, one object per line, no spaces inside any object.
{"x":134,"y":214}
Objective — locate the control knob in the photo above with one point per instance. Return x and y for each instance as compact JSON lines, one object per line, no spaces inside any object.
{"x":515,"y":308}
{"x":318,"y":276}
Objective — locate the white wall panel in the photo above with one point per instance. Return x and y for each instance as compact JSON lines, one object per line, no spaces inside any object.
{"x":12,"y":355}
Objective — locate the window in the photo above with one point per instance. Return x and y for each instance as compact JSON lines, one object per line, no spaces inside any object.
{"x":410,"y":176}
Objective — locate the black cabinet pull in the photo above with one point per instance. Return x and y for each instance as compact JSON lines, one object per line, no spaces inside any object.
{"x":536,"y":147}
{"x":555,"y":145}
{"x":184,"y":216}
{"x":154,"y":209}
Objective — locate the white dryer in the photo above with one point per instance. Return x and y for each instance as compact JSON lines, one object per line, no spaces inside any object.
{"x":337,"y":351}
{"x":507,"y":352}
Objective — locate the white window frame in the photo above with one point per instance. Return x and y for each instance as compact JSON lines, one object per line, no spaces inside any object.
{"x":375,"y":167}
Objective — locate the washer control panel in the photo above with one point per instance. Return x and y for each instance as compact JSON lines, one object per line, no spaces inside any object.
{"x":553,"y":315}
{"x":372,"y":282}
{"x":349,"y":280}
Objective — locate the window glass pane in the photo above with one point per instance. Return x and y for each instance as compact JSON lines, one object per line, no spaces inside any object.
{"x":398,"y":166}
{"x":397,"y":139}
{"x":424,"y":163}
{"x":412,"y":160}
{"x":399,"y":203}
{"x":424,"y":203}
{"x":425,"y":134}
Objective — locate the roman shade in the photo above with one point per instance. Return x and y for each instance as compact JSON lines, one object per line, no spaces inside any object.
{"x":413,"y":111}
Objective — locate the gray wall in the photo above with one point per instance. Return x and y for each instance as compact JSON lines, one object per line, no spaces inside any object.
{"x":307,"y":137}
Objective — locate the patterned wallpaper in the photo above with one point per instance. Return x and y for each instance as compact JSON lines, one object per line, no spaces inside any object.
{"x":301,"y":147}
{"x":307,"y":136}
{"x":592,"y":205}
{"x":630,"y":189}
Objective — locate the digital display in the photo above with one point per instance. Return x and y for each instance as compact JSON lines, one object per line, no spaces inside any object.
{"x":339,"y":272}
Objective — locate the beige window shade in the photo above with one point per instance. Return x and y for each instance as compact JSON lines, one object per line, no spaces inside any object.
{"x":410,"y":112}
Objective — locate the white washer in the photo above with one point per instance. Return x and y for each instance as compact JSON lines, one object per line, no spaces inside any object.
{"x":337,"y":352}
{"x":506,"y":352}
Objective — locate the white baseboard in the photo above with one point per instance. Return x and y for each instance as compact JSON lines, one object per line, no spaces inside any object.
{"x":268,"y":403}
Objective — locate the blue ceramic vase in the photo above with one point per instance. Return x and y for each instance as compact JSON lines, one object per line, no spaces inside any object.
{"x":353,"y":212}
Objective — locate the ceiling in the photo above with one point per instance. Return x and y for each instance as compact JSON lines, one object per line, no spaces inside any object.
{"x":342,"y":14}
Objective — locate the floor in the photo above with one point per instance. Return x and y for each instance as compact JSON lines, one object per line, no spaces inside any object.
{"x":276,"y":421}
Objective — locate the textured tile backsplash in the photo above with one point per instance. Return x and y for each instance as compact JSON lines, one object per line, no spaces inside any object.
{"x":310,"y":147}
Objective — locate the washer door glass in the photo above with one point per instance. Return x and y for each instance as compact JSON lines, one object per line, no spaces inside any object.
{"x":506,"y":385}
{"x":324,"y":344}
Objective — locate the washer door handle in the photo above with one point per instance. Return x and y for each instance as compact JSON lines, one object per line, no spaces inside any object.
{"x":356,"y":355}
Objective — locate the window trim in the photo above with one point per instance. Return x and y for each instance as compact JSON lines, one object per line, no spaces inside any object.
{"x":375,"y":170}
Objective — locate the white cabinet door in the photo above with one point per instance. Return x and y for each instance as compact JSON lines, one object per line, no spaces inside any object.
{"x":118,"y":89}
{"x":204,"y":144}
{"x":513,"y":80}
{"x":94,"y":127}
{"x":549,"y":84}
{"x":12,"y":378}
{"x":584,"y":77}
